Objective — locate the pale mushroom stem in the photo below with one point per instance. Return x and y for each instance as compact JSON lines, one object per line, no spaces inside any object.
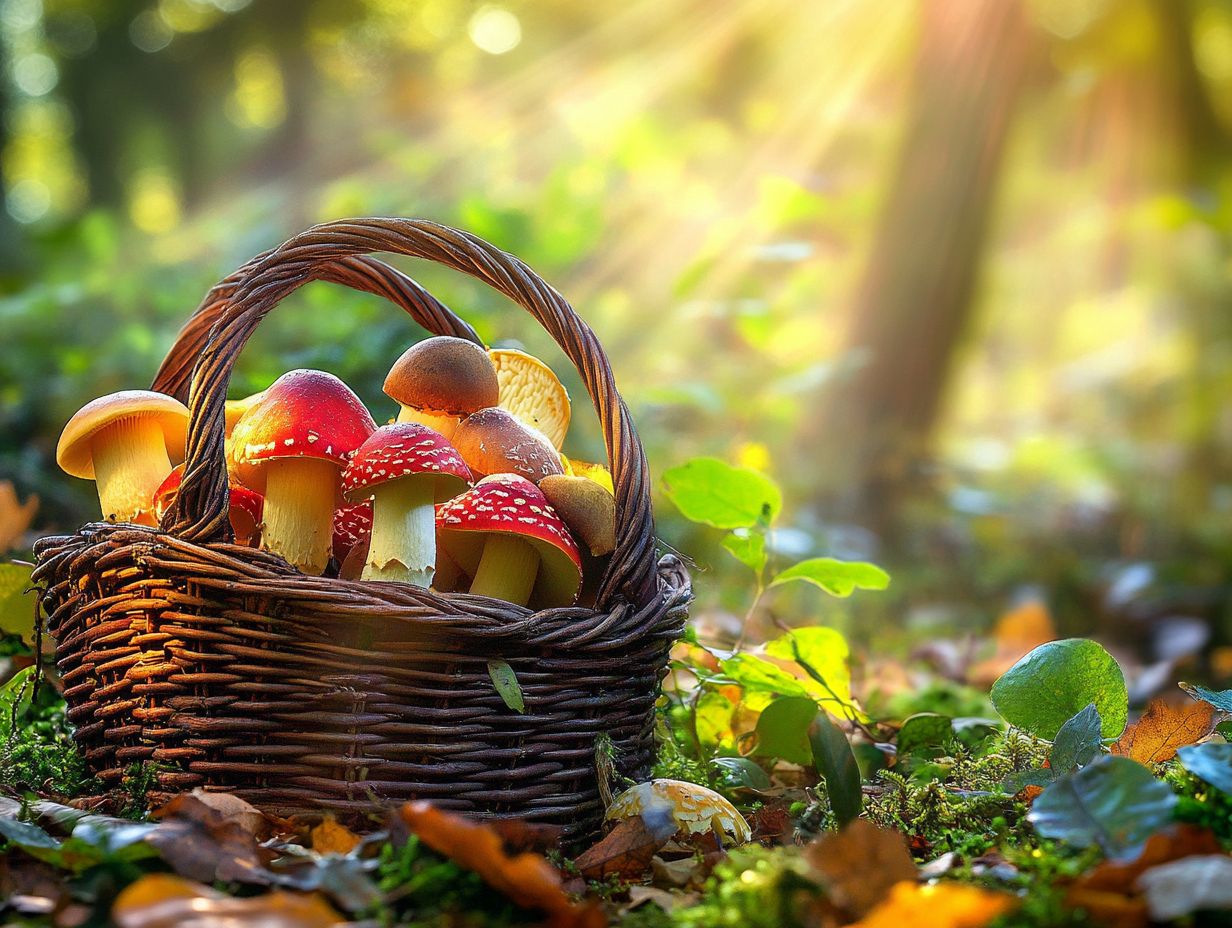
{"x":507,"y":569}
{"x":403,"y":547}
{"x":299,"y":511}
{"x":130,"y":463}
{"x":446,"y":425}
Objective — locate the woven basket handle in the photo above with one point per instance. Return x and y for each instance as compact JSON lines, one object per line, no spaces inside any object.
{"x":201,"y":509}
{"x":360,"y":273}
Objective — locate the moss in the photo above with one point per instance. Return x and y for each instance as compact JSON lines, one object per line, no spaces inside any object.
{"x":41,"y":754}
{"x":1200,"y":803}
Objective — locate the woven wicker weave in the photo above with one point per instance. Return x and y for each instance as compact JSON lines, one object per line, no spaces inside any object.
{"x":222,"y":666}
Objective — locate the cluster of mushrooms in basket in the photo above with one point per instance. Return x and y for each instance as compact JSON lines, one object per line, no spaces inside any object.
{"x":466,"y":491}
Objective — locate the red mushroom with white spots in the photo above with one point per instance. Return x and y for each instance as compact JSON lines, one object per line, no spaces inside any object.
{"x":292,"y":446}
{"x":504,"y":534}
{"x":406,"y":468}
{"x":352,"y":533}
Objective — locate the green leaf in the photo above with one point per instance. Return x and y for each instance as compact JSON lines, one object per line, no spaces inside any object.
{"x":713,"y":718}
{"x":742,"y":772}
{"x":1210,"y":762}
{"x":15,"y":698}
{"x":822,"y":653}
{"x":506,"y":683}
{"x":834,"y":760}
{"x":783,"y":730}
{"x":1114,"y":802}
{"x":749,"y":549}
{"x":16,"y":608}
{"x":26,"y":836}
{"x":754,"y":673}
{"x":1077,"y":743}
{"x":838,"y":578}
{"x":1221,"y":700}
{"x":925,"y":734}
{"x":712,"y":492}
{"x":1056,"y":681}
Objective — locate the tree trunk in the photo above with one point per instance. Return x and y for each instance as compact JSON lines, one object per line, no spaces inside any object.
{"x":916,"y":296}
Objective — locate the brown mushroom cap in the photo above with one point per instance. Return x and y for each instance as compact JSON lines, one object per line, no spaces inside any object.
{"x":532,"y":392}
{"x":74,"y":453}
{"x":695,"y":809}
{"x":444,"y":375}
{"x":493,"y":441}
{"x":587,"y":508}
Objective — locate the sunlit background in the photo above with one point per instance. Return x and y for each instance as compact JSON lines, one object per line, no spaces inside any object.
{"x":956,"y":274}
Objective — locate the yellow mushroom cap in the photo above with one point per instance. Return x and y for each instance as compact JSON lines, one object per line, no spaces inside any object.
{"x":587,"y":508}
{"x":530,"y":391}
{"x":74,"y":453}
{"x":596,"y":472}
{"x":695,"y":809}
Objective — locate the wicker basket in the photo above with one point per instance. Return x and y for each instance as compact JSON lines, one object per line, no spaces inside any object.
{"x":222,"y":666}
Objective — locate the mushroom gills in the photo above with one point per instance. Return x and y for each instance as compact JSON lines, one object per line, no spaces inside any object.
{"x":507,"y":570}
{"x":444,"y":424}
{"x":403,"y":546}
{"x":299,"y":511}
{"x":130,"y":463}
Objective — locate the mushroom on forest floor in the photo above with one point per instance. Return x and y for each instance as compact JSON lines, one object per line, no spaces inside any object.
{"x":503,"y":533}
{"x":406,"y":468}
{"x":440,"y":381}
{"x":532,"y":392}
{"x":127,"y":443}
{"x":493,"y":441}
{"x":694,"y":809}
{"x":291,"y":446}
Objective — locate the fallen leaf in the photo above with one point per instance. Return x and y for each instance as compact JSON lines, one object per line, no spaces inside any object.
{"x":1017,"y":632}
{"x":329,"y":837}
{"x":1163,"y":728}
{"x":682,"y":872}
{"x":939,"y":905}
{"x":203,"y":843}
{"x":640,"y":895}
{"x":1193,"y":884}
{"x":231,"y":808}
{"x":160,"y":900}
{"x":626,"y":850}
{"x":860,"y":864}
{"x":526,"y":879}
{"x":15,"y":517}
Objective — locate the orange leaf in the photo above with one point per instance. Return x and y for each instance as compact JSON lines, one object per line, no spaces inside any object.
{"x":331,"y":838}
{"x":860,"y":864}
{"x":526,"y":879}
{"x":1163,"y":728}
{"x":160,"y":900}
{"x":15,"y":517}
{"x":1017,"y":632}
{"x":942,"y":905}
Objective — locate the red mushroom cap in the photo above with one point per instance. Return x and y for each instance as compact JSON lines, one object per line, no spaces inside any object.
{"x":243,"y":503}
{"x":405,"y":449}
{"x":352,"y":527}
{"x":303,"y":414}
{"x":510,"y":503}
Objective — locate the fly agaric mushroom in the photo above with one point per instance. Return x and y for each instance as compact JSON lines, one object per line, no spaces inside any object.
{"x":694,"y":809}
{"x":406,"y":468}
{"x":492,"y":441}
{"x":503,"y":533}
{"x":440,"y":381}
{"x":532,"y":392}
{"x":587,"y":508}
{"x":352,"y":533}
{"x":244,"y":512}
{"x":291,"y":446}
{"x":125,"y":442}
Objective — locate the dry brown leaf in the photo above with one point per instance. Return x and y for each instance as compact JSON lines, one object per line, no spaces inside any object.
{"x":1018,"y":631}
{"x":160,"y":900}
{"x":233,"y":809}
{"x":939,"y":905}
{"x":203,"y":843}
{"x":526,"y":879}
{"x":15,"y":517}
{"x":625,"y":851}
{"x":667,"y":901}
{"x":860,"y":864}
{"x":1164,"y":727}
{"x":329,"y":837}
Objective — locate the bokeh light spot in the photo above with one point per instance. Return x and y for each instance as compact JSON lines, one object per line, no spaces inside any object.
{"x":154,"y":205}
{"x":28,"y":201}
{"x":149,"y":33}
{"x":258,"y":100}
{"x":35,"y":74}
{"x":495,"y":30}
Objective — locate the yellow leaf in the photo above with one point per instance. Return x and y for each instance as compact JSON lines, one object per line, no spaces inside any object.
{"x":943,"y":905}
{"x":1163,"y":728}
{"x":331,"y":838}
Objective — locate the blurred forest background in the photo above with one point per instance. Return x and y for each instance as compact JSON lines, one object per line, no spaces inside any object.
{"x":958,"y":275}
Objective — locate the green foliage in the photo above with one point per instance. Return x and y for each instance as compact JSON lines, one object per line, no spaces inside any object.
{"x":38,"y":753}
{"x":1114,"y":803}
{"x":1200,"y":804}
{"x":783,"y":729}
{"x":834,"y":761}
{"x":714,"y":493}
{"x":838,"y":578}
{"x":507,"y":685}
{"x":1056,"y":681}
{"x":1077,"y":743}
{"x":16,"y":607}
